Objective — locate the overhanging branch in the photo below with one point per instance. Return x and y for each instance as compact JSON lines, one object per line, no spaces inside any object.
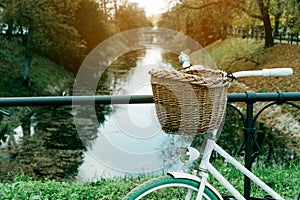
{"x":190,"y":5}
{"x":232,"y":4}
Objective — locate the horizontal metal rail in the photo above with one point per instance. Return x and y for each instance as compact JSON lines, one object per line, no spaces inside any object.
{"x":74,"y":100}
{"x":279,"y":97}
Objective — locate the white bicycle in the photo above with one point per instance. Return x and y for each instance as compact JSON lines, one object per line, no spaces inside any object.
{"x":179,"y":185}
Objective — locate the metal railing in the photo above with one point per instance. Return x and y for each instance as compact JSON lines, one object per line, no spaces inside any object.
{"x":249,"y":117}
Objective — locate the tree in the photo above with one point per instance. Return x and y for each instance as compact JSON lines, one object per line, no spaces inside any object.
{"x":297,"y":19}
{"x":293,"y":16}
{"x":129,"y":16}
{"x":54,"y":35}
{"x":265,"y":17}
{"x":277,"y":9}
{"x":48,"y":30}
{"x":90,"y":23}
{"x":241,"y":5}
{"x":166,"y":22}
{"x":204,"y":25}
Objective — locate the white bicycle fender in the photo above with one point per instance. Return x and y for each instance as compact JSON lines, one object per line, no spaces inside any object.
{"x":184,"y":175}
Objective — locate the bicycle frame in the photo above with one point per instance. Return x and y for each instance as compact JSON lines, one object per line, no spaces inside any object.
{"x":205,"y":165}
{"x":242,"y":169}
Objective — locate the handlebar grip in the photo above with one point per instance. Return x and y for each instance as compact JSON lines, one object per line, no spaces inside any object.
{"x":277,"y":72}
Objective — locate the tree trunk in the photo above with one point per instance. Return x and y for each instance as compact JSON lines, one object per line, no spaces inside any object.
{"x":267,"y":23}
{"x":224,"y":31}
{"x":278,"y":13}
{"x":27,"y":59}
{"x":276,"y":25}
{"x":268,"y":32}
{"x":116,"y":8}
{"x":9,"y":30}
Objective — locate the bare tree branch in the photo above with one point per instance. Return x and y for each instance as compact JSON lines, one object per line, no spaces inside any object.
{"x":190,"y":5}
{"x":233,"y":4}
{"x":245,"y":10}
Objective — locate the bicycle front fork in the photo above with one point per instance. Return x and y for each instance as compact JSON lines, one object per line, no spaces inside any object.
{"x":207,"y":149}
{"x":203,"y":183}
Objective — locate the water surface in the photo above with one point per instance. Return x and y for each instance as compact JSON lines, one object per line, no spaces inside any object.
{"x":130,"y":141}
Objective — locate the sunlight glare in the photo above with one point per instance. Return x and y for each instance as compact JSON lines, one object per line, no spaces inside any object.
{"x":153,"y":7}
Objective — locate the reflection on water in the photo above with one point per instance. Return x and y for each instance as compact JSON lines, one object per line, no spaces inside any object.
{"x":130,"y":141}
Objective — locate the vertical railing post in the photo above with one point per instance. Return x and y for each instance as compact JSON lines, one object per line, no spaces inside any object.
{"x":249,"y":130}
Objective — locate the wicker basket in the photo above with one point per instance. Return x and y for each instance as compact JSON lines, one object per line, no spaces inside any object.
{"x":189,"y":102}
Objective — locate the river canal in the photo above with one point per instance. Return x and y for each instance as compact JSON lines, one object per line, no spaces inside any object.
{"x":130,"y":140}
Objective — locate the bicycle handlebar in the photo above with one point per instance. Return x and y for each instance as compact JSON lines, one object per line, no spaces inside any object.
{"x":275,"y":72}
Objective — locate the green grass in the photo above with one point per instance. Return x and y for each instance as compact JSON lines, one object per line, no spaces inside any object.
{"x":25,"y":188}
{"x":47,"y":78}
{"x":225,"y":52}
{"x":285,"y":181}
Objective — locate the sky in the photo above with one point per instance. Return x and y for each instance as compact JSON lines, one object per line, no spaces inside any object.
{"x":152,"y":7}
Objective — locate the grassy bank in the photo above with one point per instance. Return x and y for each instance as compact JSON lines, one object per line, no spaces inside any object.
{"x":47,"y":78}
{"x":241,"y":54}
{"x":285,"y":181}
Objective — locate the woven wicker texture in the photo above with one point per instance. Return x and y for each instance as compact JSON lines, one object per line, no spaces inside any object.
{"x":189,"y":102}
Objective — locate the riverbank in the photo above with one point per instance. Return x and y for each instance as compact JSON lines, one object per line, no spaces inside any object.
{"x":47,"y":78}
